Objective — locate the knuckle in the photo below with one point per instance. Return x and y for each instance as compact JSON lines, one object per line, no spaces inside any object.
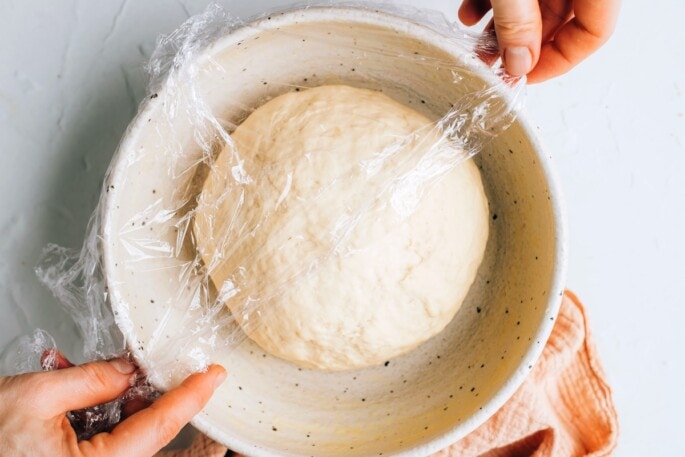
{"x":97,"y":376}
{"x":193,"y":398}
{"x":508,"y":28}
{"x":168,"y":428}
{"x":604,"y":35}
{"x":594,"y":41}
{"x":564,"y":54}
{"x":557,"y":11}
{"x":594,"y":36}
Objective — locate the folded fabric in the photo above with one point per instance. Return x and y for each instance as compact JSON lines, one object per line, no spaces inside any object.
{"x":564,"y":408}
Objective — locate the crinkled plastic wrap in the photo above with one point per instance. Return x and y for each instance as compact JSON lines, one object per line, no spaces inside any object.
{"x":162,"y":237}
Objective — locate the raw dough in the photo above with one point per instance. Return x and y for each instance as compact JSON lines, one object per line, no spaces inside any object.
{"x":323,"y":256}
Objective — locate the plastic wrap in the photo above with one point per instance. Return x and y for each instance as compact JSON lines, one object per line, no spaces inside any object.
{"x":403,"y":170}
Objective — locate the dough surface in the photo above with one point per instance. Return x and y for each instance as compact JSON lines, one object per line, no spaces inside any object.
{"x":312,"y":233}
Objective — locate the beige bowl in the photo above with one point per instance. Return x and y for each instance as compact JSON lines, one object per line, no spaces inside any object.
{"x":422,"y":401}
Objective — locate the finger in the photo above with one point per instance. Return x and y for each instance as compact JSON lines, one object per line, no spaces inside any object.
{"x":591,"y":27}
{"x":79,"y":387}
{"x":472,"y":11}
{"x":554,"y":14}
{"x":147,"y":431}
{"x":519,"y":29}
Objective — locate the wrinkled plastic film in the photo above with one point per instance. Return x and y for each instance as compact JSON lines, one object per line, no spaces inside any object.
{"x":457,"y":136}
{"x":164,"y":235}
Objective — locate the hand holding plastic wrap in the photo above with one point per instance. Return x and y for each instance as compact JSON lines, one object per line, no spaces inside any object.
{"x":61,"y":412}
{"x":283,"y":247}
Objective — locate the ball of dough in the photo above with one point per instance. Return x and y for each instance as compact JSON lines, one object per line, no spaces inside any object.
{"x":327,"y":236}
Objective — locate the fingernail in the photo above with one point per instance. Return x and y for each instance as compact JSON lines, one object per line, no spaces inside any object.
{"x":122,"y":366}
{"x":220,"y":378}
{"x":517,"y":60}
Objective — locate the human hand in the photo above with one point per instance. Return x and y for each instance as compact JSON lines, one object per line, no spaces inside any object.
{"x":545,"y":38}
{"x":33,"y":409}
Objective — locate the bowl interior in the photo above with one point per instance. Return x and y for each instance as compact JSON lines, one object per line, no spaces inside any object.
{"x":418,"y":402}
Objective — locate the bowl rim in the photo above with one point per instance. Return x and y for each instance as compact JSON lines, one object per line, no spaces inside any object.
{"x":422,"y":31}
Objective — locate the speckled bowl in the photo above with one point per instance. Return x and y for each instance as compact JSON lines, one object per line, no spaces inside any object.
{"x":424,"y":400}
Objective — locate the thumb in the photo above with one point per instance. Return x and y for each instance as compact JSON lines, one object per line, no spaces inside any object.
{"x":518,"y":25}
{"x":81,"y":386}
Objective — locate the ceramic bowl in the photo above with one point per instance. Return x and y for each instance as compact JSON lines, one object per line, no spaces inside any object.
{"x":422,"y":401}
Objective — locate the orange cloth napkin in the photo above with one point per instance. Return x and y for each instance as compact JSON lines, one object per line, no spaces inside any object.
{"x":564,"y":408}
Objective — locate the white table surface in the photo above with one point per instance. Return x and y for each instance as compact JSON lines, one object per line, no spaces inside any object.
{"x":71,"y":75}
